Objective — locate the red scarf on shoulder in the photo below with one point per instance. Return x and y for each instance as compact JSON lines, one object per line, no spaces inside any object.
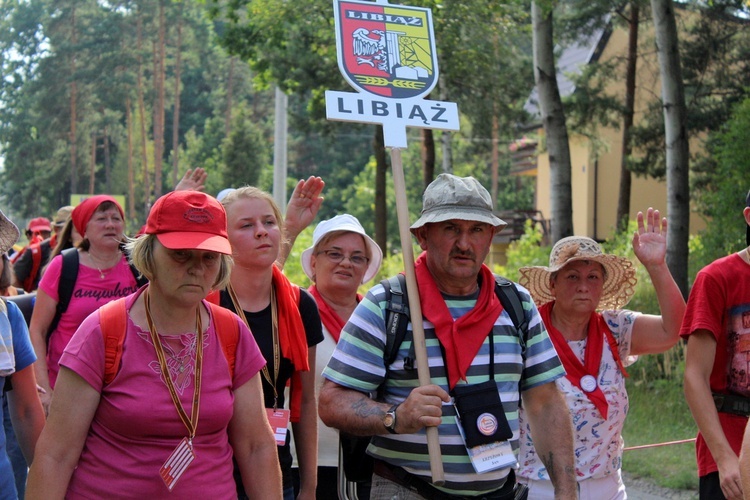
{"x":462,"y":338}
{"x":330,"y":318}
{"x":292,"y":335}
{"x":592,"y":358}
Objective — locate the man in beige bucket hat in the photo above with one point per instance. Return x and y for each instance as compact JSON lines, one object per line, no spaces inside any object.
{"x":465,"y":327}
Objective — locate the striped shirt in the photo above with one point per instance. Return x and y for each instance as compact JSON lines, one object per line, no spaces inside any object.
{"x":358,"y":363}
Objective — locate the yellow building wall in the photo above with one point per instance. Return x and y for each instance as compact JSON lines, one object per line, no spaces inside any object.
{"x":595,"y":168}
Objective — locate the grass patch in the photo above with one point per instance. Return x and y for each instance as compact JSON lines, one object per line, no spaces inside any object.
{"x":659,"y":413}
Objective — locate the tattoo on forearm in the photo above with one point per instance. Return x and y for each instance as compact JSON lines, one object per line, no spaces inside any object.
{"x":366,"y":407}
{"x":549,"y":463}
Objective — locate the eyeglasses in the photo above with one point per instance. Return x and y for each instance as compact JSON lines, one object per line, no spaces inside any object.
{"x":337,"y":257}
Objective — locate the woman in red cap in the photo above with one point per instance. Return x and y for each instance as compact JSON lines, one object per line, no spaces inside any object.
{"x":186,"y":394}
{"x":103,"y":275}
{"x":286,"y":325}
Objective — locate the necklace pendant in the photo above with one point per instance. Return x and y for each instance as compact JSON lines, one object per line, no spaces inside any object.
{"x":101,"y":275}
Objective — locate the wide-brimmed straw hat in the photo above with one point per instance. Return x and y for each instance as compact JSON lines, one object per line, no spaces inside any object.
{"x":619,"y":283}
{"x":343,"y":223}
{"x":9,"y":233}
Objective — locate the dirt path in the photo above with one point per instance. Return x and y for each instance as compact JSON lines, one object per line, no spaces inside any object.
{"x":642,"y":489}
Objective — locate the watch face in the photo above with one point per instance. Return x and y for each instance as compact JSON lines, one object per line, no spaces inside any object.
{"x":388,"y":420}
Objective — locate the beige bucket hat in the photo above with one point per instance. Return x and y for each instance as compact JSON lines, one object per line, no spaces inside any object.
{"x":463,"y":198}
{"x":619,"y":284}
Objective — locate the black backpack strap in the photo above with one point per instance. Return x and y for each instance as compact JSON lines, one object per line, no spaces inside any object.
{"x":68,"y":277}
{"x":511,"y":300}
{"x":398,"y":315}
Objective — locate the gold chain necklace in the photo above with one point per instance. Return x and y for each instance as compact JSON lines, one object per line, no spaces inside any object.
{"x":93,"y":259}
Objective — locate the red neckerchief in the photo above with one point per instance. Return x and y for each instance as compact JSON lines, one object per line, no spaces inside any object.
{"x":574,"y":369}
{"x":292,"y":335}
{"x":330,"y":318}
{"x":462,"y":338}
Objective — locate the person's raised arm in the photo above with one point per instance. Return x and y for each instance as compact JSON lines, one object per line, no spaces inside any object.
{"x":552,"y":431}
{"x":41,"y":319}
{"x":302,"y":208}
{"x":62,"y":439}
{"x":651,"y":333}
{"x":253,"y":442}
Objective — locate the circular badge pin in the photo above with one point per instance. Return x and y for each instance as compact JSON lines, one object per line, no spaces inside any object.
{"x":487,"y":424}
{"x":588,"y":383}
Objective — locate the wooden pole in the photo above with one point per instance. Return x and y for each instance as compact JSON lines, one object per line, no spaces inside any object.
{"x":420,"y":348}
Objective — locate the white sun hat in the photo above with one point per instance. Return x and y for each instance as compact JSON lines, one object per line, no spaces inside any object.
{"x":343,"y":223}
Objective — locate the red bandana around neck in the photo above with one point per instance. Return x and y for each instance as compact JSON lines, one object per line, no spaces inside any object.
{"x":330,"y":318}
{"x":592,"y":358}
{"x":462,"y":338}
{"x":292,"y":336}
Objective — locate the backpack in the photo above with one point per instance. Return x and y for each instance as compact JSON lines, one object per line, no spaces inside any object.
{"x":113,"y":320}
{"x":36,"y":263}
{"x":68,"y":276}
{"x":357,"y":463}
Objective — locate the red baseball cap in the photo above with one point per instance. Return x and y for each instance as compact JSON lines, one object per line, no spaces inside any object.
{"x":189,"y":220}
{"x":39,"y":224}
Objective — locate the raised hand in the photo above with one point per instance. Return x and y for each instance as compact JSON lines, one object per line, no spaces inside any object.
{"x":193,"y":180}
{"x":650,"y":240}
{"x":304,"y":204}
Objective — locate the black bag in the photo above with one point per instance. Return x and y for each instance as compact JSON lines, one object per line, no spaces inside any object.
{"x":357,"y":463}
{"x":481,"y":414}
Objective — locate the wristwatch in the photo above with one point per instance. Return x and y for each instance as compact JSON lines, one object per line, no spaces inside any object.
{"x":389,"y":420}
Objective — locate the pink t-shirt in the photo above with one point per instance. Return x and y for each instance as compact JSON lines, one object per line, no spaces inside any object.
{"x":720,"y":303}
{"x":136,"y":426}
{"x":90,"y":293}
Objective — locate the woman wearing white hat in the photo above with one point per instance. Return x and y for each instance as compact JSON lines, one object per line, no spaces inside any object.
{"x":595,"y":347}
{"x":341,"y":258}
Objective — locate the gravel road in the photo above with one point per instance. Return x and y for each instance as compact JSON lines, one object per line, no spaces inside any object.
{"x":642,"y":489}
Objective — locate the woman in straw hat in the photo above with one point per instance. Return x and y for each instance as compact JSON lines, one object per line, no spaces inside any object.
{"x":595,"y":347}
{"x":285,"y":322}
{"x":342,"y":257}
{"x":182,"y":402}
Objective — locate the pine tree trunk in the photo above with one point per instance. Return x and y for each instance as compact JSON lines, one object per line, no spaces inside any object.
{"x":142,"y":113}
{"x":676,"y":136}
{"x":428,"y":156}
{"x":553,"y":119}
{"x":73,"y":107}
{"x":381,"y":210}
{"x":107,"y":162}
{"x":626,"y":181}
{"x":230,"y":87}
{"x":131,"y":170}
{"x":495,"y":158}
{"x":176,"y":114}
{"x":159,"y":56}
{"x":92,"y":164}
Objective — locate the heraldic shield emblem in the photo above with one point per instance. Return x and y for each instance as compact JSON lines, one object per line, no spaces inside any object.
{"x":386,"y":50}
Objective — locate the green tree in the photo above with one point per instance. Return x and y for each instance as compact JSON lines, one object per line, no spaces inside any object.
{"x":246,"y":154}
{"x":726,"y":184}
